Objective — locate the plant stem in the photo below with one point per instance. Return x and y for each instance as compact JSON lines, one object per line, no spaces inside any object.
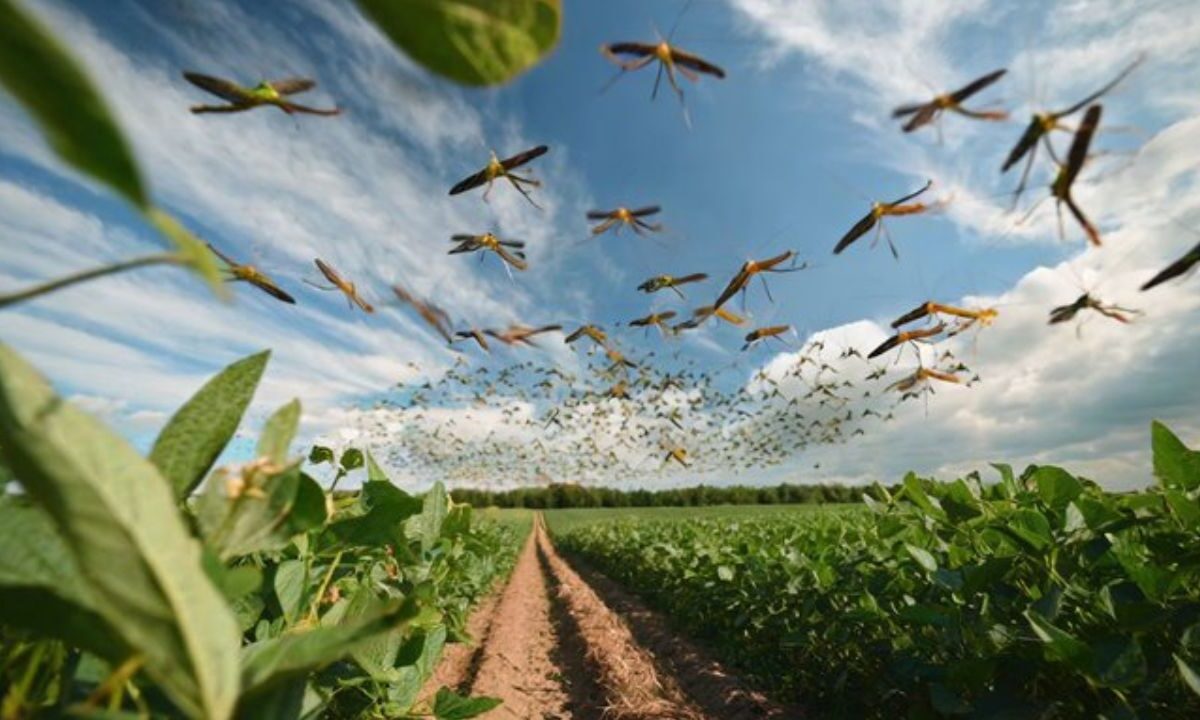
{"x":51,"y":286}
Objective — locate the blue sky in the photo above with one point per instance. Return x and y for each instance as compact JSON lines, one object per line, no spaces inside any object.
{"x":783,"y":154}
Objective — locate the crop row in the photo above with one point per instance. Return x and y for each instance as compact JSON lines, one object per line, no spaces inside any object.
{"x":152,"y":586}
{"x":1039,"y":596}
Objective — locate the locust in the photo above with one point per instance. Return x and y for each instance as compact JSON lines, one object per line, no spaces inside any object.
{"x":521,"y":334}
{"x":488,"y":241}
{"x":1043,"y":123}
{"x":266,"y":93}
{"x":631,"y":56}
{"x":928,"y":112}
{"x":751,"y":268}
{"x":254,"y":276}
{"x":339,"y":283}
{"x":677,"y":454}
{"x":625,"y":217}
{"x":880,"y":210}
{"x":1060,"y":189}
{"x":763,"y":333}
{"x":592,"y":332}
{"x":618,"y":360}
{"x":473,"y":334}
{"x":497,"y":168}
{"x":1180,"y":267}
{"x":661,"y":282}
{"x":701,"y":314}
{"x":1066,"y":313}
{"x":965,"y":318}
{"x":907,"y":336}
{"x":921,"y":375}
{"x":433,"y":315}
{"x":658,"y":320}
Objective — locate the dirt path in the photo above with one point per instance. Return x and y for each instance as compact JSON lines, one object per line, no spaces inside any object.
{"x":551,"y":647}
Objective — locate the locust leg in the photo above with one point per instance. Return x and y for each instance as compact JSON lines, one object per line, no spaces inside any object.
{"x":766,"y":287}
{"x":1024,"y":177}
{"x":516,"y":182}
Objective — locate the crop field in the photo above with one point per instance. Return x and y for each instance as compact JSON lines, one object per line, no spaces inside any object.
{"x":566,"y":520}
{"x":1039,"y":596}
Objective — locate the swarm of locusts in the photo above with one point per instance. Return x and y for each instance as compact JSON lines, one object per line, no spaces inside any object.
{"x":636,"y":412}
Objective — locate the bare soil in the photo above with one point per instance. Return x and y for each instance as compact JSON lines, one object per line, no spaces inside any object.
{"x":561,"y":642}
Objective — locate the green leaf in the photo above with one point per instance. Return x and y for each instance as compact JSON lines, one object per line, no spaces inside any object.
{"x":1008,"y":481}
{"x":1031,"y":526}
{"x":291,"y":582}
{"x":433,"y":512}
{"x":923,"y":557}
{"x":1059,"y":645}
{"x":374,"y":472}
{"x":1190,"y":677}
{"x":39,"y":72}
{"x":474,"y":42}
{"x":195,"y":436}
{"x":725,"y":573}
{"x":448,"y":705}
{"x":320,"y":455}
{"x":385,"y":507}
{"x":41,"y":587}
{"x":916,"y":494}
{"x":267,"y":663}
{"x":1186,"y":510}
{"x":352,"y":459}
{"x":1175,"y":466}
{"x":1056,"y":487}
{"x":265,"y":514}
{"x":278,"y":433}
{"x":196,"y":255}
{"x":120,"y":520}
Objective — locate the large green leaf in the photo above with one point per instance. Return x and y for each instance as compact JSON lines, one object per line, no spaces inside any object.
{"x":198,"y":432}
{"x":474,"y":42}
{"x":120,"y":520}
{"x":1056,"y":487}
{"x":41,"y":588}
{"x":385,"y":507}
{"x":1175,"y":466}
{"x":53,"y":87}
{"x":278,"y":433}
{"x":433,"y":512}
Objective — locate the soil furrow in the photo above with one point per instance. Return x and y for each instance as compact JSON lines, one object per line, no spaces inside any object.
{"x":557,"y":644}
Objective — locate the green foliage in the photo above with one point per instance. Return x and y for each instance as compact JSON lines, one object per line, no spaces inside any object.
{"x":249,"y":600}
{"x":40,"y":74}
{"x":192,"y":439}
{"x":43,"y":77}
{"x":120,"y":522}
{"x":474,"y":42}
{"x":1043,"y":596}
{"x":450,"y":706}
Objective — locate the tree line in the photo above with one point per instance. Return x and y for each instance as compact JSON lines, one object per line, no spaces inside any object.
{"x":572,"y":495}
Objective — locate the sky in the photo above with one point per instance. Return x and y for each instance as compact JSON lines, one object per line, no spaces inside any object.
{"x":785,"y":153}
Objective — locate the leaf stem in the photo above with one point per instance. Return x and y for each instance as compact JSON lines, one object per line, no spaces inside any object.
{"x":67,"y":281}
